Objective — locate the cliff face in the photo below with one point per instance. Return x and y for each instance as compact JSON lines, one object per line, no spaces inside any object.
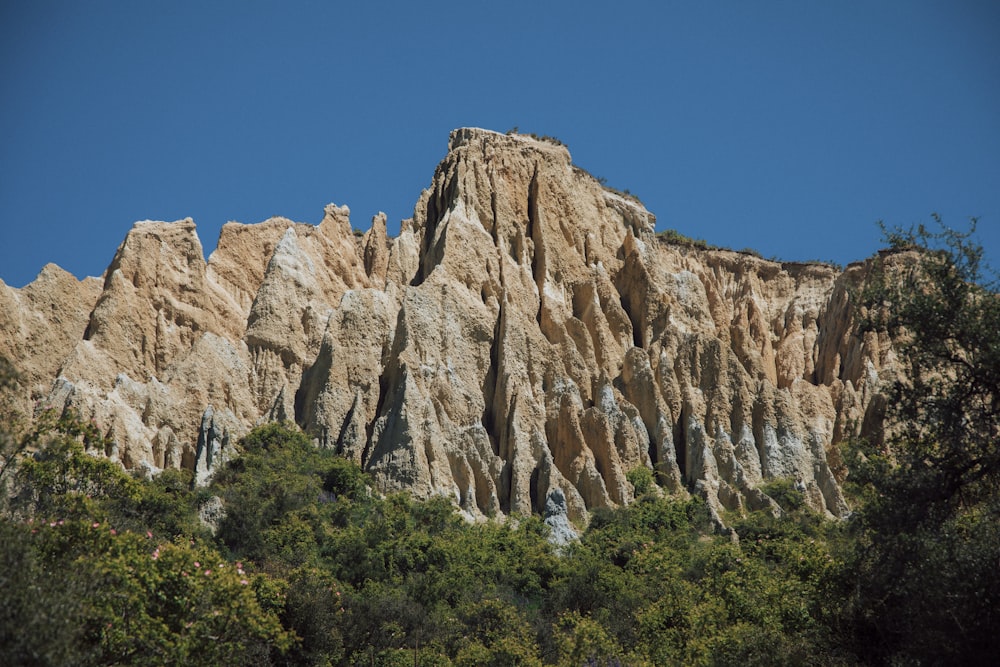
{"x":525,"y":332}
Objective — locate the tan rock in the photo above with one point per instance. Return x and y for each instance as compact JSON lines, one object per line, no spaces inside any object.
{"x":42,"y":322}
{"x":376,"y":251}
{"x":525,"y":337}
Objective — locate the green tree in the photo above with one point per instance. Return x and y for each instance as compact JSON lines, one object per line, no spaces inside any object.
{"x":40,"y":618}
{"x":166,"y":603}
{"x":281,"y":495}
{"x":101,"y":567}
{"x":61,"y":480}
{"x":924,"y":576}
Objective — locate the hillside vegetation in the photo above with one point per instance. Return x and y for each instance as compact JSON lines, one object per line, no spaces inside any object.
{"x":308,"y":567}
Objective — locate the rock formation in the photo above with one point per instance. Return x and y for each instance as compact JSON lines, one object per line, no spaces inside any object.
{"x":526,"y":336}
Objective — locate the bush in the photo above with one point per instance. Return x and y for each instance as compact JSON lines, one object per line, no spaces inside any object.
{"x":674,"y":237}
{"x":783,"y":492}
{"x":641,"y":479}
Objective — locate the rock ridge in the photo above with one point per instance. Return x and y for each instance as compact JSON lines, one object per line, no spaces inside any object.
{"x":526,"y":337}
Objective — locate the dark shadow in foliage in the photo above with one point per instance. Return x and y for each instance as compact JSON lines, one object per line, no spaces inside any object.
{"x":922,"y":584}
{"x":314,"y":609}
{"x":41,"y":615}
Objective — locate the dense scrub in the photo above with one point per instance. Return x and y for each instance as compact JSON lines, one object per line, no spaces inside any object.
{"x":308,"y":567}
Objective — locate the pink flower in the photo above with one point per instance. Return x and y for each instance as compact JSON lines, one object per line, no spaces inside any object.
{"x":244,"y":582}
{"x":114,"y":532}
{"x":197,"y":564}
{"x":97,"y":524}
{"x":184,"y":574}
{"x":156,"y":553}
{"x":149,"y":535}
{"x":52,"y":524}
{"x":239,"y":565}
{"x":208,"y":572}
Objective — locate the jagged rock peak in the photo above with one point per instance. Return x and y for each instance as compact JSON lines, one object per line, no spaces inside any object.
{"x":526,"y":338}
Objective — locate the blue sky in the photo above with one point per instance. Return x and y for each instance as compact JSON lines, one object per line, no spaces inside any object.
{"x":788,"y":127}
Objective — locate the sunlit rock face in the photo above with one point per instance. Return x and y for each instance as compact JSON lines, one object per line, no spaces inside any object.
{"x":526,"y":333}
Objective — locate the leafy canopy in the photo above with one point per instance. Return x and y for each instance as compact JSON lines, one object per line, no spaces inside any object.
{"x":924,"y":571}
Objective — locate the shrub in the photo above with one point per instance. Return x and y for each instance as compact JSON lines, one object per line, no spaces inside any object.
{"x":783,"y":492}
{"x":674,"y":237}
{"x":641,"y":479}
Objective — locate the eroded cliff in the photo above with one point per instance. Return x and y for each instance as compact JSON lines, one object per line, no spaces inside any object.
{"x":526,"y":331}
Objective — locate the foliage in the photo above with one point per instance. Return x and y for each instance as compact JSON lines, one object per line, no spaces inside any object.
{"x":667,"y":591}
{"x":783,"y":492}
{"x":40,"y":617}
{"x":102,"y":567}
{"x":546,"y":138}
{"x":641,"y":479}
{"x":280,"y":494}
{"x":308,"y":567}
{"x":674,"y":237}
{"x":60,"y":478}
{"x":923,"y":575}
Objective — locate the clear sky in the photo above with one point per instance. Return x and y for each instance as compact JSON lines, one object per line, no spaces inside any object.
{"x":787,"y":127}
